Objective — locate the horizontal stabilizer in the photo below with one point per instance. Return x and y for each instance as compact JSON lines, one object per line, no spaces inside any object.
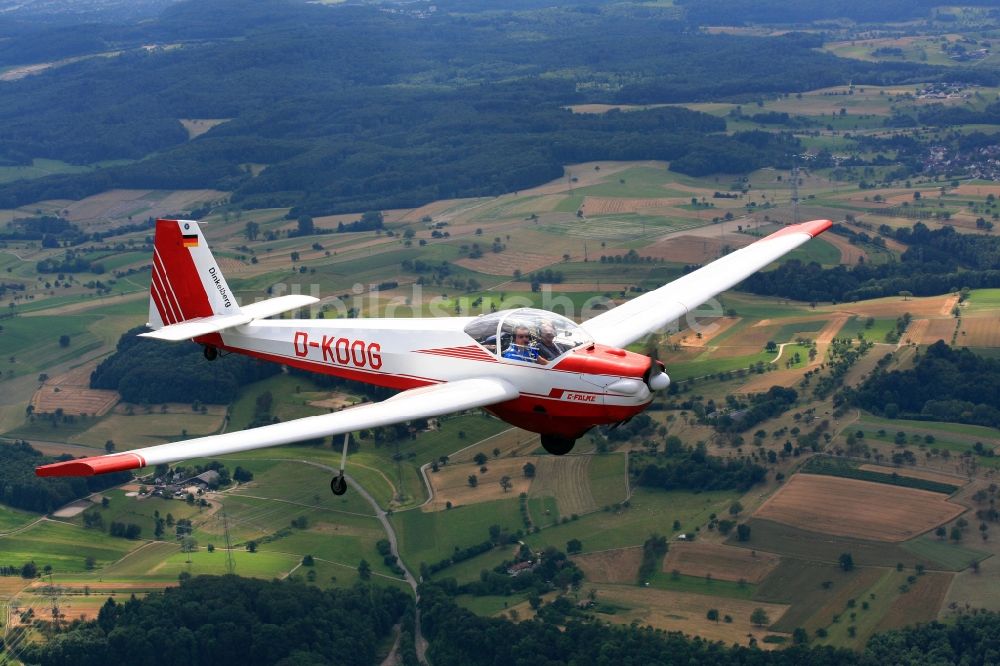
{"x":277,"y":305}
{"x":203,"y":326}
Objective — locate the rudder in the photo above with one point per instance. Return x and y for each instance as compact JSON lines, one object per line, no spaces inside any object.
{"x":187,"y":282}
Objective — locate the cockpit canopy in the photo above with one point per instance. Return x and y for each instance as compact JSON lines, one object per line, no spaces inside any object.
{"x":527,"y":335}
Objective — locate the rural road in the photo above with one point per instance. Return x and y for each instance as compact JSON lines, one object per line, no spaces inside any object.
{"x":418,"y":637}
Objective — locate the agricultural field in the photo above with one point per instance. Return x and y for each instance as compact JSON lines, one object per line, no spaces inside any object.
{"x":848,"y":507}
{"x":720,"y":562}
{"x":685,"y":612}
{"x":597,"y":210}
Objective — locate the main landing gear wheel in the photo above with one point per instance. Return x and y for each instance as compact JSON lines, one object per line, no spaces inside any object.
{"x":557,"y":446}
{"x":339,"y":484}
{"x":210,"y":352}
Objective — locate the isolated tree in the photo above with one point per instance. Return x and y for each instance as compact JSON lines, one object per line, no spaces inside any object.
{"x":109,"y":446}
{"x":800,"y":636}
{"x":496,"y":452}
{"x":735,"y":508}
{"x":743,"y":532}
{"x":251,"y":231}
{"x":941,"y":532}
{"x":759,"y":617}
{"x":574,"y":546}
{"x":846,"y":561}
{"x":505,"y":483}
{"x":771,"y":346}
{"x":252,"y":546}
{"x":713,"y":615}
{"x":473,"y":481}
{"x":308,"y":561}
{"x":480,"y":458}
{"x":529,"y":470}
{"x":364,"y":570}
{"x":64,"y":340}
{"x":306,"y":226}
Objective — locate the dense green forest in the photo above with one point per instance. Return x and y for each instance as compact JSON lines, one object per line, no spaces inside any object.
{"x":691,"y":468}
{"x":20,"y":488}
{"x":149,"y":371}
{"x":356,"y":109}
{"x":232,"y":620}
{"x":935,"y":262}
{"x":946,"y":384}
{"x":224,"y":620}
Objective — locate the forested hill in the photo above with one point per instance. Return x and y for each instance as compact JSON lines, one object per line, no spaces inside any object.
{"x":232,"y":620}
{"x":728,"y":12}
{"x":352,"y":108}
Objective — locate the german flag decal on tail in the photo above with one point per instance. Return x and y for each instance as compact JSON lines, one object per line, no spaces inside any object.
{"x":190,"y":240}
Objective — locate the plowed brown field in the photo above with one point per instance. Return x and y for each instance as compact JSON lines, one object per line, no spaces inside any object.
{"x":861,"y":509}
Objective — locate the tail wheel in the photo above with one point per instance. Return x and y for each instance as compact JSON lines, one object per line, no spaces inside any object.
{"x":210,"y":352}
{"x":557,"y":446}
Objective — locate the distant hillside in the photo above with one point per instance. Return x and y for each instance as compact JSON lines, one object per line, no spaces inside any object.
{"x":353,"y":108}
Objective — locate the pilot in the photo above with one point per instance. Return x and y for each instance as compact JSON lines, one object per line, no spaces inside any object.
{"x":547,"y":347}
{"x":521,"y":348}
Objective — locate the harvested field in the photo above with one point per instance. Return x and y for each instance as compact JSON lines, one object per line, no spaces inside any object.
{"x":505,"y":263}
{"x":114,"y":205}
{"x":613,"y":205}
{"x":977,"y":190}
{"x":451,"y":482}
{"x":916,"y":474}
{"x":893,"y":306}
{"x":71,"y":392}
{"x":334,"y":401}
{"x":685,"y":612}
{"x":721,"y":562}
{"x":979,"y":332}
{"x":937,"y":329}
{"x":709,"y":330}
{"x":197,"y":126}
{"x":849,"y":254}
{"x":748,"y":340}
{"x":611,"y":566}
{"x":566,"y":478}
{"x":920,"y":604}
{"x":691,"y":249}
{"x":829,"y":332}
{"x":915,"y":331}
{"x":860,"y":509}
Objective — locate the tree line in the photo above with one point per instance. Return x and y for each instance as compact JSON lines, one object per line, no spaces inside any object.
{"x":324,"y":108}
{"x":945,"y":384}
{"x":691,"y":468}
{"x":228,"y":619}
{"x":21,"y":489}
{"x":148,"y":371}
{"x":935,"y":262}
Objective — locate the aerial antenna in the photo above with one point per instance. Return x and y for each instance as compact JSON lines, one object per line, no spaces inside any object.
{"x":230,"y":564}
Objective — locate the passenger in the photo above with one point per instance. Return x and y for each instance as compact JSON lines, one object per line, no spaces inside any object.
{"x":547,"y":347}
{"x":521,"y":348}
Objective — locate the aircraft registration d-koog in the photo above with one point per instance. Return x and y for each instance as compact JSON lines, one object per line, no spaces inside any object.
{"x":534,"y":369}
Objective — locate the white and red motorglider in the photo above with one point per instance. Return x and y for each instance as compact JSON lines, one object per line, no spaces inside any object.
{"x":534,"y":369}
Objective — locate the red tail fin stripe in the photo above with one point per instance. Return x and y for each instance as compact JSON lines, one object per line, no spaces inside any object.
{"x":165,"y":277}
{"x":154,"y":293}
{"x":168,"y":312}
{"x":175,"y":308}
{"x":168,"y":290}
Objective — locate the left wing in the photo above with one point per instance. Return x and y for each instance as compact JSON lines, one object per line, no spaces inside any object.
{"x":424,"y":402}
{"x":654,"y":310}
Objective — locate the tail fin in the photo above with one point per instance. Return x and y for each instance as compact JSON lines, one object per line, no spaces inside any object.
{"x":187,"y":282}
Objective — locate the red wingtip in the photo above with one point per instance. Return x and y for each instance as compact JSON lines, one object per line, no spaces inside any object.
{"x":118,"y":462}
{"x":813,"y":228}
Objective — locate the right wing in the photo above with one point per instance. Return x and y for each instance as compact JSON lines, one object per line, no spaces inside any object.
{"x":424,"y":402}
{"x":653,"y":310}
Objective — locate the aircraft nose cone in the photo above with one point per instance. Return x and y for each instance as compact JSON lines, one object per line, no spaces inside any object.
{"x":659,"y":382}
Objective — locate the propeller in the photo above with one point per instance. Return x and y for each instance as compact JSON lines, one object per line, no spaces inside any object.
{"x":655,"y":377}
